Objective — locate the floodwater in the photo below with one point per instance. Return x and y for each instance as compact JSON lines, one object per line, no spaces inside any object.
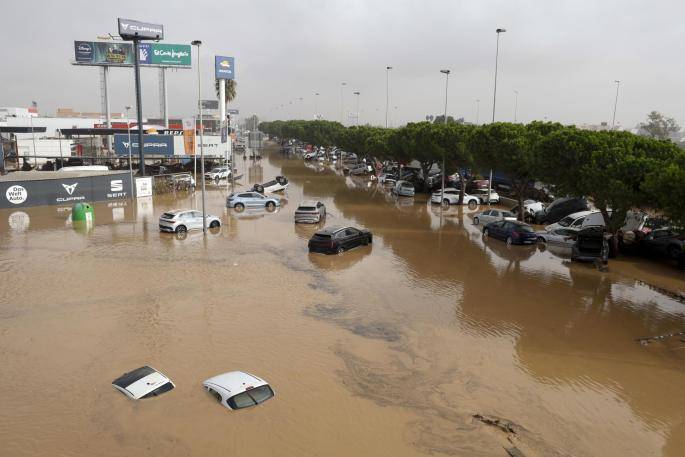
{"x":387,"y":350}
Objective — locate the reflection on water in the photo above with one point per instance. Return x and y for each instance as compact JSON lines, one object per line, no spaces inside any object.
{"x":406,"y":339}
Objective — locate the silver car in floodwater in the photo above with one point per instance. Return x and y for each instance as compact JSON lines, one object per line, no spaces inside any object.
{"x":403,"y":189}
{"x":310,"y":212}
{"x":241,"y":200}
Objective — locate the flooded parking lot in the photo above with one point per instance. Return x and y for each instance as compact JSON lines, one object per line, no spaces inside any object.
{"x":389,"y":349}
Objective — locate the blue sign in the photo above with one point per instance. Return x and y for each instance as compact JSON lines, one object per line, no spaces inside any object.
{"x":224,"y":67}
{"x":145,"y":53}
{"x":83,"y":50}
{"x":159,"y":145}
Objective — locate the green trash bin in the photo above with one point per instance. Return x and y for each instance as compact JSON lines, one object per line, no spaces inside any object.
{"x":82,"y":212}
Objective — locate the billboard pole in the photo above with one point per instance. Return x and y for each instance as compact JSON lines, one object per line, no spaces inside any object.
{"x":139,"y":108}
{"x":198,"y":43}
{"x":163,"y":101}
{"x":105,"y":104}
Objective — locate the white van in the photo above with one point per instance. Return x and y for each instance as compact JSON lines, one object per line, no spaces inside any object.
{"x":578,"y":220}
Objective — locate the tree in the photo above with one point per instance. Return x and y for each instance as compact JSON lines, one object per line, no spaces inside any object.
{"x":608,"y":167}
{"x":658,"y":126}
{"x":231,"y":87}
{"x":665,"y":187}
{"x":440,"y":119}
{"x":512,"y":149}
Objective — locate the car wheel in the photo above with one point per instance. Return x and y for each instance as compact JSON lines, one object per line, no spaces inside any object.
{"x":486,"y":233}
{"x":529,"y":219}
{"x":214,"y":224}
{"x":673,"y":252}
{"x":270,"y":206}
{"x":542,"y":241}
{"x":475,"y":221}
{"x":370,"y":239}
{"x":472,"y":204}
{"x":216,"y":180}
{"x":340,"y":250}
{"x":509,"y":241}
{"x":446,"y":202}
{"x":239,"y":207}
{"x":181,"y":229}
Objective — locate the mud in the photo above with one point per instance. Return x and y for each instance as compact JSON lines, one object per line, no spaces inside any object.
{"x":388,"y":349}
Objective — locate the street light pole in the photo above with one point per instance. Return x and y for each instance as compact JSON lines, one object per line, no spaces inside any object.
{"x":516,"y":105}
{"x":447,"y":80}
{"x":387,"y":93}
{"x":357,"y":118}
{"x":494,"y":94}
{"x":613,"y":118}
{"x":477,"y":111}
{"x":198,"y":43}
{"x":341,"y":102}
{"x":316,"y":105}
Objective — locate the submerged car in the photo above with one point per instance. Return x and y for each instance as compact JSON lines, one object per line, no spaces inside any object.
{"x":450,"y":196}
{"x":403,"y":189}
{"x":513,"y":232}
{"x":664,"y":242}
{"x":238,"y":390}
{"x":591,"y":244}
{"x":143,"y":382}
{"x":336,"y":240}
{"x":241,"y":200}
{"x":482,"y":194}
{"x":311,"y":212}
{"x":530,"y":207}
{"x":276,"y":185}
{"x":493,"y":215}
{"x":218,"y":173}
{"x":180,"y":221}
{"x":576,"y":221}
{"x":564,"y":237}
{"x":560,"y":208}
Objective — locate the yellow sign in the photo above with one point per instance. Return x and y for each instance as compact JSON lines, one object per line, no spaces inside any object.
{"x":189,"y":136}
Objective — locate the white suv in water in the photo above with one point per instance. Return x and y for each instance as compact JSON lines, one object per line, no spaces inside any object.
{"x":180,"y":221}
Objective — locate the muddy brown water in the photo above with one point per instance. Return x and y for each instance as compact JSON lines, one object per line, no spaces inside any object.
{"x":387,"y":350}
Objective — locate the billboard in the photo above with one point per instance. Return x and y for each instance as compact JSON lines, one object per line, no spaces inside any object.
{"x":209,"y":104}
{"x":160,"y":145}
{"x":65,"y":191}
{"x":121,"y":54}
{"x":189,"y":136}
{"x":130,"y":29}
{"x":224,"y":67}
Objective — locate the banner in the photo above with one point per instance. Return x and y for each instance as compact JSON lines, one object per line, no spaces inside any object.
{"x":224,"y":131}
{"x":189,"y":136}
{"x":160,"y":145}
{"x":121,"y":54}
{"x":224,"y":67}
{"x":209,"y":104}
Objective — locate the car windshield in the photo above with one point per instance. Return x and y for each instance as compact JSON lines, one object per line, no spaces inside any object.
{"x":322,"y":236}
{"x":305,"y":208}
{"x":251,"y":397}
{"x":166,"y":387}
{"x":507,"y":214}
{"x":525,"y":228}
{"x":565,"y":222}
{"x":168,"y":216}
{"x":216,"y":170}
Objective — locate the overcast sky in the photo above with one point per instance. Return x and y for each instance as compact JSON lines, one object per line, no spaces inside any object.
{"x":561,"y":56}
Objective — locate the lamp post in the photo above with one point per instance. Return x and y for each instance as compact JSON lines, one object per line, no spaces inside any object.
{"x":198,"y":43}
{"x":128,"y":127}
{"x":477,"y":111}
{"x":494,"y":94}
{"x":316,"y":105}
{"x":613,"y":118}
{"x":387,"y":93}
{"x":447,"y":80}
{"x":357,"y":118}
{"x":516,"y":105}
{"x":342,"y":86}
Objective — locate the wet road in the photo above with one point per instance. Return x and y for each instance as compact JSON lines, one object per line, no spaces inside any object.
{"x":386,"y":350}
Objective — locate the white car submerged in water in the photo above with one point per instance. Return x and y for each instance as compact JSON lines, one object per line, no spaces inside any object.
{"x":238,"y":390}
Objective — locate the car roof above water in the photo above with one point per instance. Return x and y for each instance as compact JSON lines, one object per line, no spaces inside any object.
{"x":235,"y":382}
{"x":332,"y":230}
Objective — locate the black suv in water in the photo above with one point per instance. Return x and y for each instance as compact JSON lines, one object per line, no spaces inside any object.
{"x":336,"y":240}
{"x":560,"y":208}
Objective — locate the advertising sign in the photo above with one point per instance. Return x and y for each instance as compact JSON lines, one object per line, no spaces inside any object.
{"x":224,"y":131}
{"x":130,"y":29}
{"x":160,"y":145}
{"x":65,"y":191}
{"x":224,"y":67}
{"x":144,"y":187}
{"x":121,"y":54}
{"x":232,"y":111}
{"x":210,"y":104}
{"x":189,"y":136}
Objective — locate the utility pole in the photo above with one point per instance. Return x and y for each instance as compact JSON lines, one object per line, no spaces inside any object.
{"x":342,"y":86}
{"x":198,"y":43}
{"x":516,"y":104}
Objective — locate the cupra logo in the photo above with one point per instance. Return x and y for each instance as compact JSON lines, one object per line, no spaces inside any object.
{"x":225,"y":64}
{"x":70,"y":188}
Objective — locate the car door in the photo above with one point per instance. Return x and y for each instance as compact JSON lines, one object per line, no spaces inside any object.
{"x":196,"y":219}
{"x":256,"y":200}
{"x":352,"y":238}
{"x":485,"y":217}
{"x":578,"y":223}
{"x":495,"y":229}
{"x":495,"y":215}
